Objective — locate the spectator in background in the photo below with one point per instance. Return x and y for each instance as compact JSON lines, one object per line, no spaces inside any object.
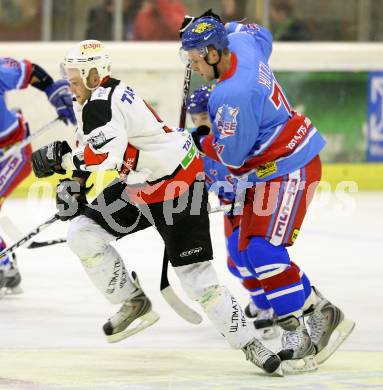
{"x":232,"y":10}
{"x":159,"y":20}
{"x":284,"y":24}
{"x":100,"y":20}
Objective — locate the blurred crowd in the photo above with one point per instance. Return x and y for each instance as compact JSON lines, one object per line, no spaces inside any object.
{"x":159,"y":20}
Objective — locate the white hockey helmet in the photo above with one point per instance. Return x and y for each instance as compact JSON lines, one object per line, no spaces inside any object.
{"x":87,"y":55}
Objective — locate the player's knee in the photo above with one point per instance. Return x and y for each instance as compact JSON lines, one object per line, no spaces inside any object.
{"x":86,"y":238}
{"x":197,"y":278}
{"x":265,"y":256}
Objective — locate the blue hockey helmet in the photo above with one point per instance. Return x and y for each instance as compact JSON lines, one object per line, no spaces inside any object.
{"x":202,"y":33}
{"x":197,"y":101}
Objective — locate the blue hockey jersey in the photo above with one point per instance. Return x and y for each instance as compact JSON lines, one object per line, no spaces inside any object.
{"x":13,"y":75}
{"x":255,"y":132}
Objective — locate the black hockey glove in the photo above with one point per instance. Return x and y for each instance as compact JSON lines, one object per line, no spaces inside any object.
{"x":197,"y":134}
{"x":70,"y":199}
{"x":47,"y":160}
{"x":188,"y":20}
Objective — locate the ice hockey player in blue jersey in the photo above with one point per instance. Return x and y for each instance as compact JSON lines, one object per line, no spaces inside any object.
{"x":14,"y":75}
{"x":258,"y":136}
{"x":220,"y":181}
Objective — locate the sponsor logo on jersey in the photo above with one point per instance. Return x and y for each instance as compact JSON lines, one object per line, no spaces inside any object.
{"x":202,"y":27}
{"x":191,"y":252}
{"x":9,"y":63}
{"x":99,"y":140}
{"x":286,"y":209}
{"x":299,"y":135}
{"x":294,"y":235}
{"x":100,"y":94}
{"x":266,"y":169}
{"x":9,"y":172}
{"x":226,"y":120}
{"x":191,"y":152}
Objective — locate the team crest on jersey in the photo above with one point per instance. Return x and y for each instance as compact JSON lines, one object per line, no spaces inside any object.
{"x":202,"y":27}
{"x":226,"y":120}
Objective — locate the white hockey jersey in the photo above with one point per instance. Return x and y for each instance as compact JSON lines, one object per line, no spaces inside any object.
{"x":116,"y":126}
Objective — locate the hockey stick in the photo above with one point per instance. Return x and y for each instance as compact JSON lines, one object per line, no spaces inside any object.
{"x":167,"y":292}
{"x":10,"y":228}
{"x":25,"y":239}
{"x":42,"y":244}
{"x":14,"y":149}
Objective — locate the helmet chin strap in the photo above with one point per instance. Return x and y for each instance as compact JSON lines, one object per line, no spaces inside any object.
{"x":215,"y":67}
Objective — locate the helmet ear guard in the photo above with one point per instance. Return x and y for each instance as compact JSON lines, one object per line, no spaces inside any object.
{"x":87,"y":55}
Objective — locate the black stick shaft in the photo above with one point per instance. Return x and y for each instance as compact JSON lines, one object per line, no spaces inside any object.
{"x":25,"y":239}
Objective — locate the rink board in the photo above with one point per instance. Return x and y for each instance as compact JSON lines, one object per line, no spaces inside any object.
{"x":368,"y":177}
{"x":223,"y":369}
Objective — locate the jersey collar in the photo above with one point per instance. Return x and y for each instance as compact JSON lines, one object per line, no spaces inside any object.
{"x":231,"y":70}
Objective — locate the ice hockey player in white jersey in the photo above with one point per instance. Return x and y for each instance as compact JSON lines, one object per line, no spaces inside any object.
{"x":160,"y":184}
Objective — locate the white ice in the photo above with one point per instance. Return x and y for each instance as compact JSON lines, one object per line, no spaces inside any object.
{"x":51,"y":338}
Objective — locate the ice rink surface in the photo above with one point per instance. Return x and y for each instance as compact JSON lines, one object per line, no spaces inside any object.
{"x":51,"y":338}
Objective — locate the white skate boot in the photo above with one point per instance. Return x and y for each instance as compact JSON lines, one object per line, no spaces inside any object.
{"x":266,"y":323}
{"x":297,"y":353}
{"x":135,"y":315}
{"x":324,"y":320}
{"x":262,"y":357}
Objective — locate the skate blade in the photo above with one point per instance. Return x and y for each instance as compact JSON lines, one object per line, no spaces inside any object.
{"x":278,"y":372}
{"x":299,"y":366}
{"x":145,"y":321}
{"x":270,"y":333}
{"x":14,"y":290}
{"x":344,"y":329}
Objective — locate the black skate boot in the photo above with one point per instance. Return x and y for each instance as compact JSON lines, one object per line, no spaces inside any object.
{"x":262,"y":357}
{"x":266,"y":323}
{"x":251,"y":310}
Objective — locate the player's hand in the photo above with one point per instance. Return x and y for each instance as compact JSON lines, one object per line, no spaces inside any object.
{"x":47,"y":160}
{"x":199,"y":133}
{"x":70,"y":198}
{"x":60,"y":97}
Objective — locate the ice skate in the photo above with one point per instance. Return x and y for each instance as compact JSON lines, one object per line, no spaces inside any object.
{"x":10,"y":279}
{"x":251,"y":310}
{"x":297,"y":353}
{"x":266,"y":323}
{"x":325,"y":320}
{"x":135,"y":315}
{"x":262,"y":357}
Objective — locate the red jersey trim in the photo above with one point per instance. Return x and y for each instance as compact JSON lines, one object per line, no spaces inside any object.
{"x":293,"y":134}
{"x":28,"y":74}
{"x":167,"y":189}
{"x":91,"y":158}
{"x":231,"y":70}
